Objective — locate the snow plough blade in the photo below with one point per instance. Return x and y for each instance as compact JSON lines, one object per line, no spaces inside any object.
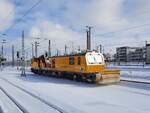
{"x":108,"y":76}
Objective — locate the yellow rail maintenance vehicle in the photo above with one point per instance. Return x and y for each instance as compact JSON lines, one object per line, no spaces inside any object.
{"x":88,"y":66}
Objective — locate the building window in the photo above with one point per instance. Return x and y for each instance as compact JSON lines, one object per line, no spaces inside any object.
{"x":71,"y":60}
{"x":79,"y":60}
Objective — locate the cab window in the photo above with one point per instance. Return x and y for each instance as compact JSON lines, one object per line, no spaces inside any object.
{"x":95,"y":59}
{"x":71,"y":60}
{"x":79,"y":60}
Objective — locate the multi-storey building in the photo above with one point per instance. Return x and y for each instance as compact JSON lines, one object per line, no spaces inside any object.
{"x":147,"y":56}
{"x":130,"y":54}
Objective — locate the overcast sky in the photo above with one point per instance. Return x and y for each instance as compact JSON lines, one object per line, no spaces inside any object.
{"x":115,"y":22}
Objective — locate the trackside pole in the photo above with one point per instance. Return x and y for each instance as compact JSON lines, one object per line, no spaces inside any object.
{"x":23,"y":57}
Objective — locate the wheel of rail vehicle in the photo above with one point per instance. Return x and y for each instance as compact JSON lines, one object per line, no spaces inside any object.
{"x":59,"y":74}
{"x":74,"y":78}
{"x":53,"y":74}
{"x":79,"y":78}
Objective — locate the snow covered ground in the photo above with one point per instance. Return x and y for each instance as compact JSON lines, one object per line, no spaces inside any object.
{"x":138,"y":73}
{"x":76,"y":97}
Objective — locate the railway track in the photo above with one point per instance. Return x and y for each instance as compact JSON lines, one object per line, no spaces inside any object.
{"x":21,"y":108}
{"x":135,"y":81}
{"x":60,"y":110}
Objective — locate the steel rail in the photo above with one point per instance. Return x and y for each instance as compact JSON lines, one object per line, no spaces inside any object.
{"x":21,"y":108}
{"x":135,"y":81}
{"x":37,"y":97}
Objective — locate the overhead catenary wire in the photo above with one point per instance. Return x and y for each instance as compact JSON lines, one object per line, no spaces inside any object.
{"x":5,"y":18}
{"x":38,"y":2}
{"x":125,"y":43}
{"x":122,"y":30}
{"x":28,"y":11}
{"x":25,"y":14}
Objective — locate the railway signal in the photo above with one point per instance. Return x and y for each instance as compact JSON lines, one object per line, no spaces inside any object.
{"x":18,"y":57}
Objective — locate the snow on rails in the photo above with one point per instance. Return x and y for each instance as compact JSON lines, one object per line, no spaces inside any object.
{"x":32,"y":99}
